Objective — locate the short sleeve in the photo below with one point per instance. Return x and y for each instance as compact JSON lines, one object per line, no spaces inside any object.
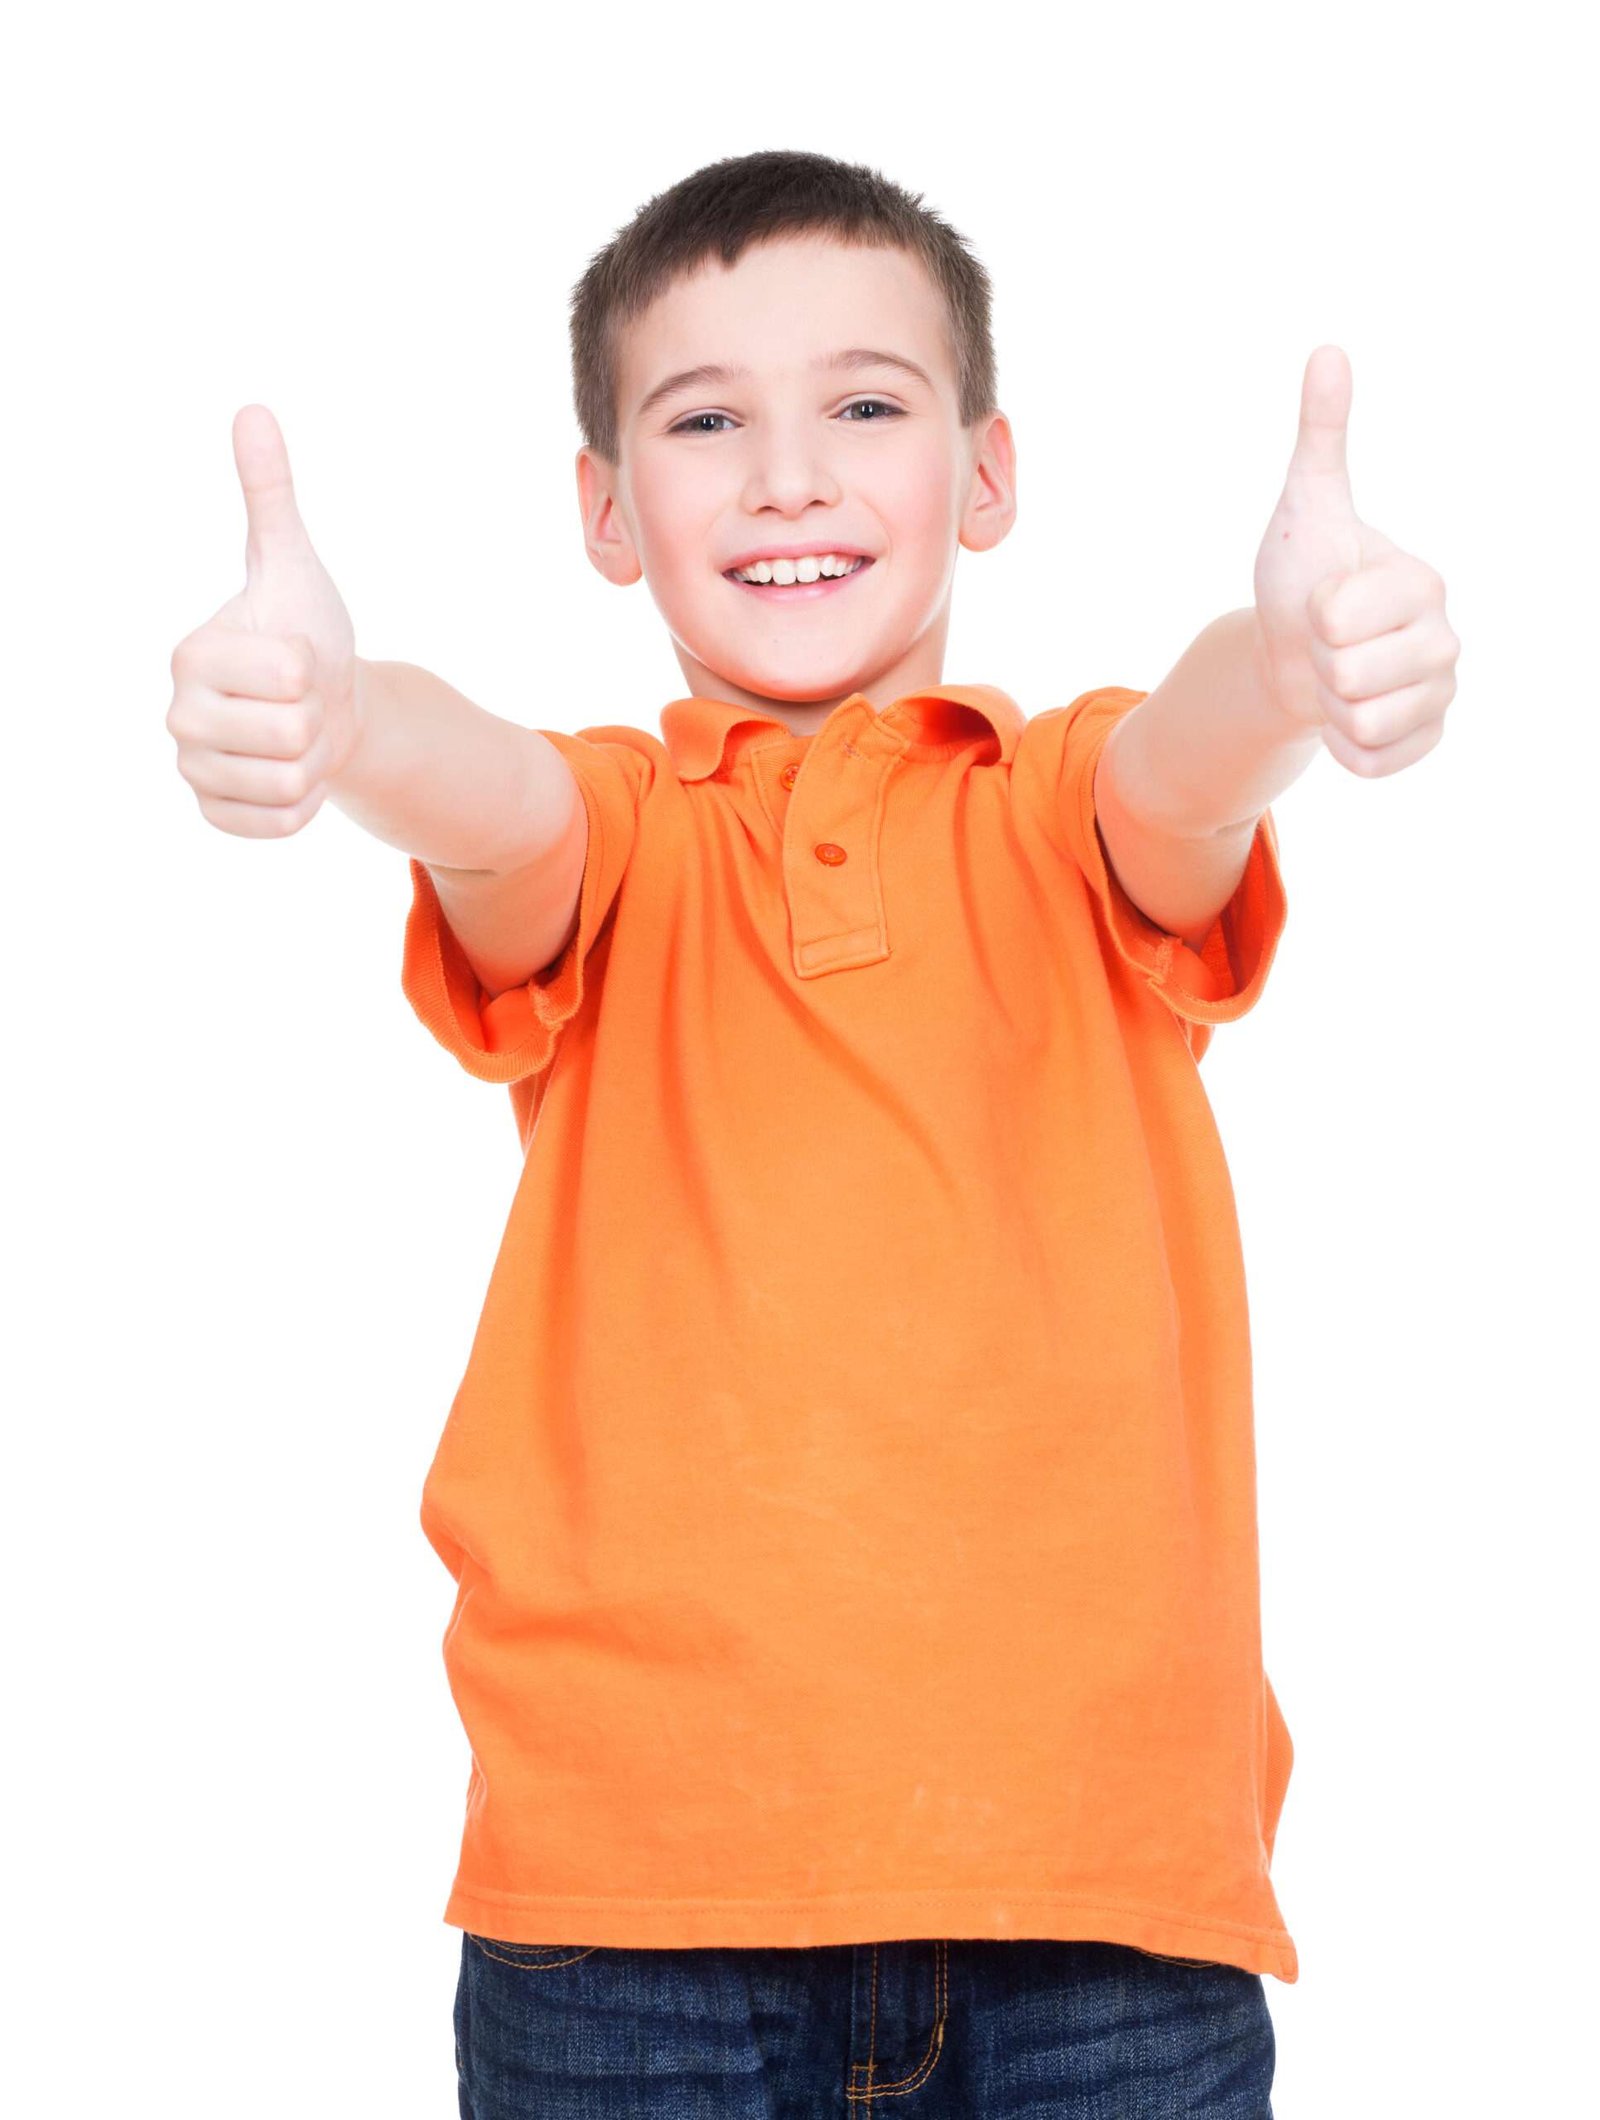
{"x":1053,"y":797}
{"x":509,"y":1036}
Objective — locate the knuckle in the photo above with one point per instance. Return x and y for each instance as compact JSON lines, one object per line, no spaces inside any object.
{"x":267,"y":820}
{"x":1329,"y":611}
{"x":301,"y":815}
{"x":1342,"y":674}
{"x":1365,"y":725}
{"x":1352,"y":757}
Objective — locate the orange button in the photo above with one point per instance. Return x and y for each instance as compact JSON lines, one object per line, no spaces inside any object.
{"x":789,"y":775}
{"x":826,"y":851}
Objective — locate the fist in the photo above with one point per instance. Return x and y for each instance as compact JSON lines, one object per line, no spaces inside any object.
{"x":1353,"y":630}
{"x":265,"y":705}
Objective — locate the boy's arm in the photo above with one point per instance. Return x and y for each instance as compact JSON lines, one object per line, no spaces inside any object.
{"x":1183,"y":777}
{"x":490,"y":808}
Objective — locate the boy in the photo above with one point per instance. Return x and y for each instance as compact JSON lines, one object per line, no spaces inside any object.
{"x":850,"y":1491}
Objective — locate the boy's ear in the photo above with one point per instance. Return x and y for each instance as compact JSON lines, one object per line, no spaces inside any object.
{"x":992,"y":499}
{"x":605,"y":534}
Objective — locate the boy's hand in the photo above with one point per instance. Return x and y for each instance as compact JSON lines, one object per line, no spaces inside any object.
{"x":265,"y":707}
{"x":1353,"y":632}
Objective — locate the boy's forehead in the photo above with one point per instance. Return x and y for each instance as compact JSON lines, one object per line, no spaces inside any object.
{"x":780,"y":306}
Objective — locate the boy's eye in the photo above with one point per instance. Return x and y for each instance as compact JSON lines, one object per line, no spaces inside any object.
{"x":691,"y":424}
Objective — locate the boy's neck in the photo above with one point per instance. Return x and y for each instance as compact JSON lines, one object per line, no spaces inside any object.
{"x":918,"y":669}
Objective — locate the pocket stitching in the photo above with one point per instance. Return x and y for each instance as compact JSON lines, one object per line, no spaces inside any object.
{"x":497,"y":1948}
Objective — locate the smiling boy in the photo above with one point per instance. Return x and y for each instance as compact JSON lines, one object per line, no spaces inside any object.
{"x":850,"y":1491}
{"x":799,"y":437}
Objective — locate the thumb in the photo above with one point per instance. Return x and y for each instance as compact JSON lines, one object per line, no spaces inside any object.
{"x":272,"y":519}
{"x":1319,"y":450}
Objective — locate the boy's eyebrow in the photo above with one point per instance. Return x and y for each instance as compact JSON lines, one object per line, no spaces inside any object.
{"x":718,"y":372}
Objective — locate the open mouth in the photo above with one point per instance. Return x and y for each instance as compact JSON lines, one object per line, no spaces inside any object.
{"x":800,"y":592}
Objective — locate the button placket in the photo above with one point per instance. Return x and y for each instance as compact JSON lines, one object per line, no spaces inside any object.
{"x":832,"y":880}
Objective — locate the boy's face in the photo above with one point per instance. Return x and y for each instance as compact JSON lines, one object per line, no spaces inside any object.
{"x":786,"y":453}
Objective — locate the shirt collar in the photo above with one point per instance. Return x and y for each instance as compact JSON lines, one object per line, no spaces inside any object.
{"x":697,"y":731}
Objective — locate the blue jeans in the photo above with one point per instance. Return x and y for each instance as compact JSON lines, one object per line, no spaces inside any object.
{"x":982,"y":2029}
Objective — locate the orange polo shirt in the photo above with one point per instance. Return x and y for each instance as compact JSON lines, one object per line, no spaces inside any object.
{"x":851,"y":1487}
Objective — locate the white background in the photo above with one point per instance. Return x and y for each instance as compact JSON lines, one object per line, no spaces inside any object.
{"x":254,"y":1207}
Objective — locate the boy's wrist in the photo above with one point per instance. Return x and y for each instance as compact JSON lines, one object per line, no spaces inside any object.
{"x":364,"y":786}
{"x":444,"y":780}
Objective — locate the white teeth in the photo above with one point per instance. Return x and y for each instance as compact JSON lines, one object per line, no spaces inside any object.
{"x":785,"y":571}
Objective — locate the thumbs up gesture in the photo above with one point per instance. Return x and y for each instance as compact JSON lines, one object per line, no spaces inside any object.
{"x":1354,"y":633}
{"x":265,"y":706}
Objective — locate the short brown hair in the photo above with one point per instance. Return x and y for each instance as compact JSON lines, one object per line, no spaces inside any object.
{"x":744,"y":199}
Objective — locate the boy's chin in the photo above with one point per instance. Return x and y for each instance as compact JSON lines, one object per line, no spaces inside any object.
{"x":794,"y":688}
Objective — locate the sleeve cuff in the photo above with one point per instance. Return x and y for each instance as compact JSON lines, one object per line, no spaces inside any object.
{"x":1221,"y":980}
{"x":514,"y":1034}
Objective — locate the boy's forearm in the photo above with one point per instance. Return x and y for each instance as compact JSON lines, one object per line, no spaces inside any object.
{"x":446,"y":781}
{"x":1208,"y":749}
